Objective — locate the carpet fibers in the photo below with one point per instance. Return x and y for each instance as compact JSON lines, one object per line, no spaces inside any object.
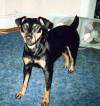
{"x":82,"y":88}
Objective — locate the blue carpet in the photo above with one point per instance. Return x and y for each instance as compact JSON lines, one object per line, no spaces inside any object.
{"x":82,"y":88}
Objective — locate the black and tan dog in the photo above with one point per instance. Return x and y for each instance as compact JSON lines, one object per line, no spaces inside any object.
{"x":43,"y":44}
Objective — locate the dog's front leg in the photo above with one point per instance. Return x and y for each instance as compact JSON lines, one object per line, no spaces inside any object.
{"x":27,"y":72}
{"x":48,"y":80}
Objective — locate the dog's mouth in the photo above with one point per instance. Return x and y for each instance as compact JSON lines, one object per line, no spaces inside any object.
{"x":29,"y":42}
{"x":32,"y":39}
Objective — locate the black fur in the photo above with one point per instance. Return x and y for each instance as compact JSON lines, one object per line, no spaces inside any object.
{"x":62,"y":36}
{"x":50,"y":45}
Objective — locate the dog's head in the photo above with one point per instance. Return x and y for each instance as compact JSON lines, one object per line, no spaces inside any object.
{"x":33,"y":28}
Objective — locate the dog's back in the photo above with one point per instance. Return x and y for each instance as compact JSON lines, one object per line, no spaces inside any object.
{"x":62,"y":36}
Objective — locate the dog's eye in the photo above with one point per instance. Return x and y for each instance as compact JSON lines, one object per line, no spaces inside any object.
{"x":34,"y":26}
{"x":39,"y":30}
{"x":25,"y":27}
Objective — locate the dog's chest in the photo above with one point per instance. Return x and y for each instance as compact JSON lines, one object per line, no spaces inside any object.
{"x":41,"y":62}
{"x":37,"y":54}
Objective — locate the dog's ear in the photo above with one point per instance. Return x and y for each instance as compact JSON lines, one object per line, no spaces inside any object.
{"x":46,"y":23}
{"x":19,"y":21}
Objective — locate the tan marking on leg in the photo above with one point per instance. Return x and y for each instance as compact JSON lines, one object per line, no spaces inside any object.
{"x":66,"y":60}
{"x":27,"y":60}
{"x":71,"y":60}
{"x":21,"y":93}
{"x":25,"y":84}
{"x":46,"y":98}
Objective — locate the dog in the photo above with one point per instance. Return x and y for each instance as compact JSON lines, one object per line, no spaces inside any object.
{"x":43,"y":45}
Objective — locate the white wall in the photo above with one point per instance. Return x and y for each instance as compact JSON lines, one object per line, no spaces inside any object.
{"x":39,"y":7}
{"x":84,"y":8}
{"x":10,"y":9}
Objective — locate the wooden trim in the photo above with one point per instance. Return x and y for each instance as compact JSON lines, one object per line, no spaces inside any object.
{"x":9,"y":30}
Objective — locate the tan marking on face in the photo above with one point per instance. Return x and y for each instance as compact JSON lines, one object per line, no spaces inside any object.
{"x":27,"y":60}
{"x":23,"y":35}
{"x":41,"y":62}
{"x":36,"y":36}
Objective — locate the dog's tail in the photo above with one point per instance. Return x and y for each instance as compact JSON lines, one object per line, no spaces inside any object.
{"x":75,"y":23}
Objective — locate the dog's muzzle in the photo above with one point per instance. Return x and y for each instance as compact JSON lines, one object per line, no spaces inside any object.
{"x":29,"y":40}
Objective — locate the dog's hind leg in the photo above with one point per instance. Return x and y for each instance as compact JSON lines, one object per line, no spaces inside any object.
{"x":66,"y":59}
{"x":72,"y":55}
{"x":27,"y":72}
{"x":48,"y":73}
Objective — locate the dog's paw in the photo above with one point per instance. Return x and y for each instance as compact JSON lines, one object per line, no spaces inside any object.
{"x":44,"y":104}
{"x":45,"y":101}
{"x":70,"y":71}
{"x":19,"y":95}
{"x":65,"y":66}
